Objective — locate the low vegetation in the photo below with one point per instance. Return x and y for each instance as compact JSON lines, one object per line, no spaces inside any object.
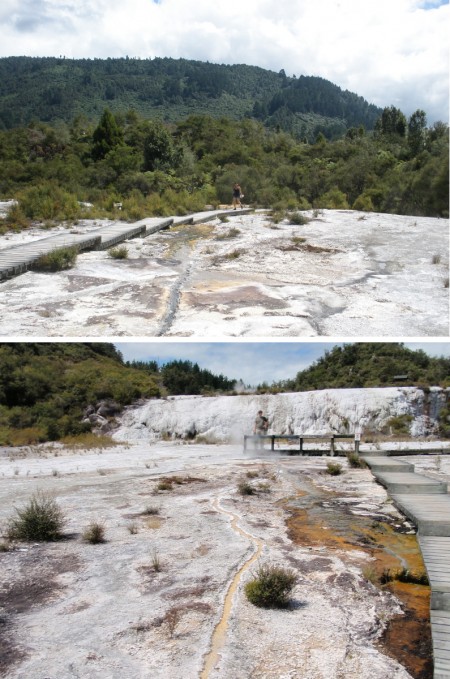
{"x":404,"y":575}
{"x":271,"y":586}
{"x":119,"y":252}
{"x":94,"y":533}
{"x":370,"y":364}
{"x":355,"y":461}
{"x":45,"y":388}
{"x":57,"y":260}
{"x":41,"y":520}
{"x":246,"y":488}
{"x":334,"y":468}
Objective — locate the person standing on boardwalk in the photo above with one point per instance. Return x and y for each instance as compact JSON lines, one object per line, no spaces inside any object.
{"x":237,"y":195}
{"x":261,"y":424}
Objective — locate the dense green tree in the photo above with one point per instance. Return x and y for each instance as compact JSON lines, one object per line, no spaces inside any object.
{"x":417,"y":126}
{"x":158,"y":147}
{"x":371,"y":364}
{"x":185,"y":377}
{"x":392,"y":122}
{"x":45,"y":387}
{"x":107,"y":135}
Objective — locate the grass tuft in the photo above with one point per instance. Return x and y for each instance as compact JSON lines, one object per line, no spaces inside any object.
{"x":94,"y":533}
{"x":41,"y":520}
{"x":334,"y":468}
{"x":57,"y":260}
{"x":118,"y":252}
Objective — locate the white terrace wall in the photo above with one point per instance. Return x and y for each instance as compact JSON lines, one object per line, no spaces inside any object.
{"x":228,"y":418}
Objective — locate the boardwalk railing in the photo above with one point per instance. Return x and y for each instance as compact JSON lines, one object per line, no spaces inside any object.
{"x":301,"y":438}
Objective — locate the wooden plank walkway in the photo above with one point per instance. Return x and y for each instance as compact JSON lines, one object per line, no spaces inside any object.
{"x":430,"y":513}
{"x":436,"y":554}
{"x":19,"y":258}
{"x":409,"y":482}
{"x":387,"y":464}
{"x":428,"y":507}
{"x":440,"y":624}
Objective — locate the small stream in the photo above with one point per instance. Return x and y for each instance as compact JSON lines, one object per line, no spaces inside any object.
{"x":317,"y":517}
{"x":220,"y":631}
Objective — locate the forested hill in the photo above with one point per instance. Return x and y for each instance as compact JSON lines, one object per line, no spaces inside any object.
{"x":45,"y":388}
{"x":371,"y":364}
{"x":57,"y":89}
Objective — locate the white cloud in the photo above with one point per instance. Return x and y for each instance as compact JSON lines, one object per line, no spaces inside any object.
{"x":388,"y":52}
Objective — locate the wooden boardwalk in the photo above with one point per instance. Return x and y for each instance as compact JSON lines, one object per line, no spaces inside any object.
{"x":430,"y":513}
{"x":440,"y":624}
{"x":427,"y":503}
{"x":17,"y":259}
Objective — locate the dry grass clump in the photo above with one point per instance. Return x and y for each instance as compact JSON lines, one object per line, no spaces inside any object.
{"x":89,"y":440}
{"x":355,"y":461}
{"x":156,"y":561}
{"x":118,"y":252}
{"x":234,"y":254}
{"x":41,"y":520}
{"x":94,"y":533}
{"x":245,"y":488}
{"x":174,"y":614}
{"x":151,"y":510}
{"x":231,"y":233}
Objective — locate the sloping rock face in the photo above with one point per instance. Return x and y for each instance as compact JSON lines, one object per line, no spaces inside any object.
{"x":228,"y":418}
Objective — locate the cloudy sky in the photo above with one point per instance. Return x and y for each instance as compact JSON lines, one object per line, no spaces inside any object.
{"x":253,"y":362}
{"x":391,"y":52}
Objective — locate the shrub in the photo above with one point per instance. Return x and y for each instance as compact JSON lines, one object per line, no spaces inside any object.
{"x":48,"y":201}
{"x":355,"y":461}
{"x":334,"y":468}
{"x":41,"y":520}
{"x":245,"y":488}
{"x":57,"y":260}
{"x":165,"y":484}
{"x":120,"y":252}
{"x":334,"y":199}
{"x":271,"y":587}
{"x":94,"y":533}
{"x":400,"y":424}
{"x":298,"y":219}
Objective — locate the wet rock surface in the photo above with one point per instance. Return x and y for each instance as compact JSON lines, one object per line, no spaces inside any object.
{"x":338,"y":273}
{"x":107,"y":610}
